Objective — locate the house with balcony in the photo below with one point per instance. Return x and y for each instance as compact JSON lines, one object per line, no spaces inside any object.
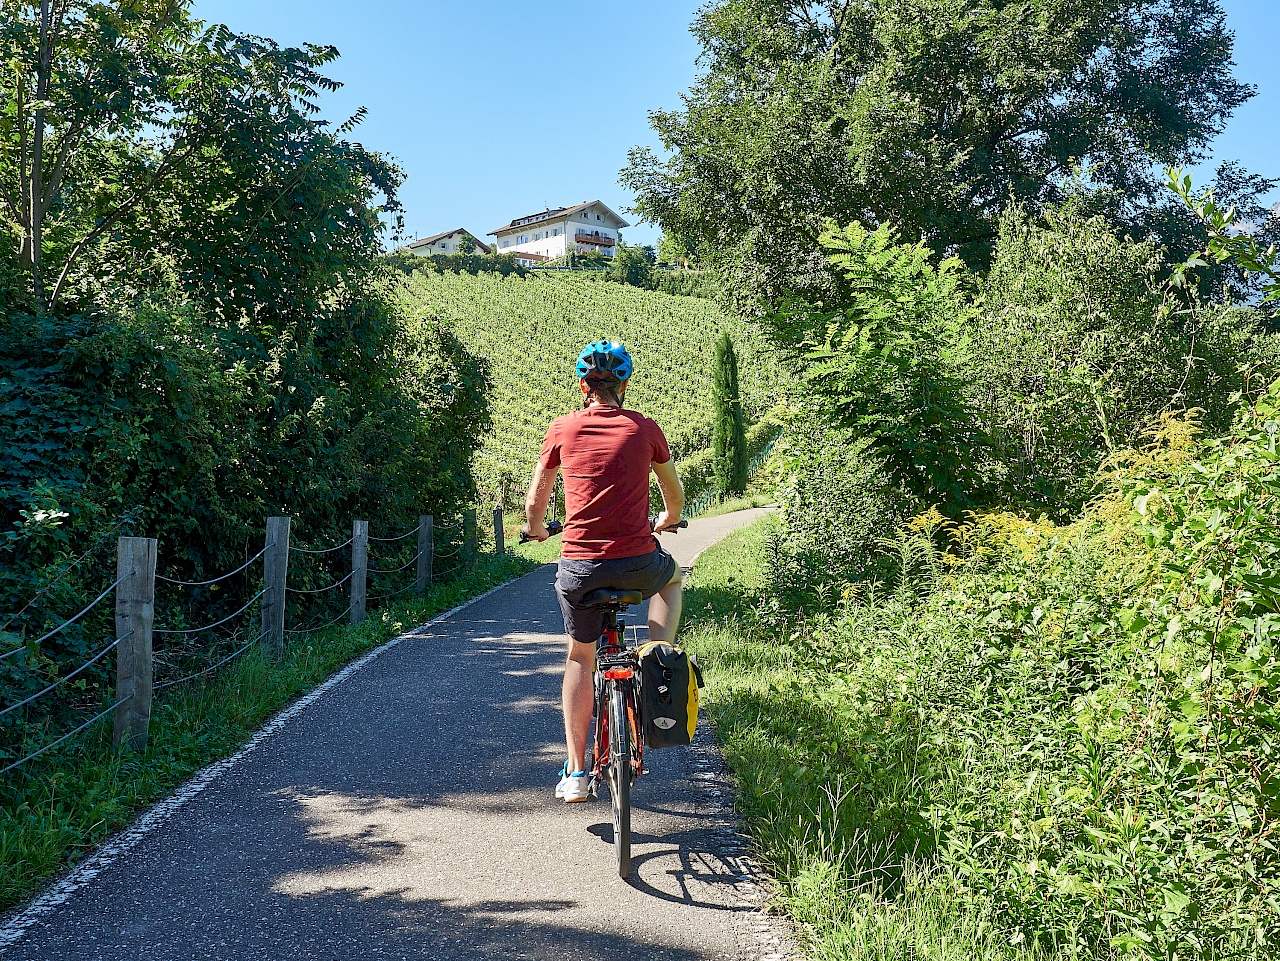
{"x":446,"y":243}
{"x":588,"y":227}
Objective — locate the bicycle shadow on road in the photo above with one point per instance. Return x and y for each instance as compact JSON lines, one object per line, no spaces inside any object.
{"x":685,"y":859}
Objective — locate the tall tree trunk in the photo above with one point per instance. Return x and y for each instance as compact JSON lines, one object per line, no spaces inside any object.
{"x":36,"y":200}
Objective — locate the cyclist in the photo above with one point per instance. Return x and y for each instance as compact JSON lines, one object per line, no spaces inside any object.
{"x":605,"y":454}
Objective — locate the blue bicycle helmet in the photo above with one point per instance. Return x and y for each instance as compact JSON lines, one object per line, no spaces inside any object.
{"x":606,"y":360}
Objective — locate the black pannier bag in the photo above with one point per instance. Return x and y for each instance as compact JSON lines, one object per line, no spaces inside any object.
{"x":669,"y":682}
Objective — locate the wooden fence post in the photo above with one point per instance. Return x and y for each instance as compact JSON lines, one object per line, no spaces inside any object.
{"x":359,"y":569}
{"x":469,"y":534}
{"x":135,"y":615}
{"x":275,"y":579}
{"x":426,"y":550}
{"x":499,"y":546}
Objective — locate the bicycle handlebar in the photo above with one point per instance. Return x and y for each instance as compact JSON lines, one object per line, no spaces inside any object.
{"x":653,"y":523}
{"x":555,"y":527}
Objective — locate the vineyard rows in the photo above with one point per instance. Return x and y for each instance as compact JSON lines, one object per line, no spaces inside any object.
{"x":530,"y":331}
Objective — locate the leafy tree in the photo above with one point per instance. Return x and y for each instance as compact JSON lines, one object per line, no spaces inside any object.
{"x":886,"y":361}
{"x":134,"y":144}
{"x":928,"y":115}
{"x":729,"y":439}
{"x":85,"y":94}
{"x":1075,"y":351}
{"x":195,"y":325}
{"x":467,"y":245}
{"x":632,"y":265}
{"x":673,"y":250}
{"x":1227,"y":242}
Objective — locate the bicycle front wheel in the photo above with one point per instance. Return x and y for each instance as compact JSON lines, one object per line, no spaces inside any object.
{"x":620,"y":778}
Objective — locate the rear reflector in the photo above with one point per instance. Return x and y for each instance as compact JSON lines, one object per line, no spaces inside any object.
{"x":618,"y":673}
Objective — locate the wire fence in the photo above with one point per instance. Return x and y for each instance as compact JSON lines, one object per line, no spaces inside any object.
{"x":66,"y":677}
{"x":57,"y":579}
{"x":399,"y":537}
{"x":208,"y":627}
{"x":220,"y":577}
{"x":76,"y":672}
{"x":324,"y":550}
{"x":213,"y":667}
{"x":321,"y":590}
{"x":396,"y":570}
{"x":228,"y":637}
{"x":321,"y":627}
{"x":383,"y":597}
{"x":92,"y":604}
{"x":69,"y":734}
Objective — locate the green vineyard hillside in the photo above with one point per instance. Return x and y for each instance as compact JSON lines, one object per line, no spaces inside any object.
{"x":529,"y":331}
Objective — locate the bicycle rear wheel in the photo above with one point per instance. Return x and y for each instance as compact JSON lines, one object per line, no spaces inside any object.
{"x":620,"y":778}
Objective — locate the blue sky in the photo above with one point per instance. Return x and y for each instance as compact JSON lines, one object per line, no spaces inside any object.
{"x":496,"y":109}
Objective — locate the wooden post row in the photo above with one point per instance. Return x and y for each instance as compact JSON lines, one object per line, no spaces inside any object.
{"x":426,"y":550}
{"x":135,"y":616}
{"x":498,"y":546}
{"x":275,"y":576}
{"x":359,"y":569}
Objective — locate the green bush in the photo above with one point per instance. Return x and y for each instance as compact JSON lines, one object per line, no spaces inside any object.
{"x":1077,"y":346}
{"x":886,"y":360}
{"x":1070,"y":731}
{"x":407,"y":263}
{"x":839,"y":503}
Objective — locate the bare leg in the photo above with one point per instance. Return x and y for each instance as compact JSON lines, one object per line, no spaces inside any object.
{"x":576,"y":695}
{"x":664,"y":610}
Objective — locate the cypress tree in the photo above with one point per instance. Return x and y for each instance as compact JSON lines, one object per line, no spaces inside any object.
{"x":729,"y":441}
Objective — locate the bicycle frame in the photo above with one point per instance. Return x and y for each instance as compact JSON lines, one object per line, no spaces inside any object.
{"x":615,"y":665}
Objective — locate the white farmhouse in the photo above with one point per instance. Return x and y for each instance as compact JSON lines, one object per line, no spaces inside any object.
{"x":446,"y":243}
{"x":588,"y":227}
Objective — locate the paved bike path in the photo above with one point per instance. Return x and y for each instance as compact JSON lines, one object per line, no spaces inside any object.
{"x":407,"y":813}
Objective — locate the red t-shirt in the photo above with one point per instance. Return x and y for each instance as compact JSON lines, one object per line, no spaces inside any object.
{"x":604,"y":453}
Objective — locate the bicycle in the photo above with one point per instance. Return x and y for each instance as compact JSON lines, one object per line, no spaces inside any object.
{"x":617,"y":756}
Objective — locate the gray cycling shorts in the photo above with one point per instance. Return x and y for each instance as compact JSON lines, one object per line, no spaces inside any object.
{"x":648,"y":574}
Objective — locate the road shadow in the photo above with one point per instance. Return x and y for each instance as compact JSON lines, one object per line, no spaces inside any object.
{"x":409,"y":814}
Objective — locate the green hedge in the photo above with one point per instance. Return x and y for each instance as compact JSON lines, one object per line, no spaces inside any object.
{"x":161,"y":423}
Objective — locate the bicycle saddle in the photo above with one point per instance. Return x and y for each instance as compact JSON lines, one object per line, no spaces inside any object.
{"x":604,"y":597}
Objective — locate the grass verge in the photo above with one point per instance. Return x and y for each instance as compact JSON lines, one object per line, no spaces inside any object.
{"x":61,"y":806}
{"x":829,"y":829}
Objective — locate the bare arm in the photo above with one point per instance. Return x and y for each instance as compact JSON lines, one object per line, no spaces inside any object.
{"x":536,"y":501}
{"x":672,"y":494}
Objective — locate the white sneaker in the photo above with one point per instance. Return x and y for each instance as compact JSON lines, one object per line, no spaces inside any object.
{"x":572,"y":787}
